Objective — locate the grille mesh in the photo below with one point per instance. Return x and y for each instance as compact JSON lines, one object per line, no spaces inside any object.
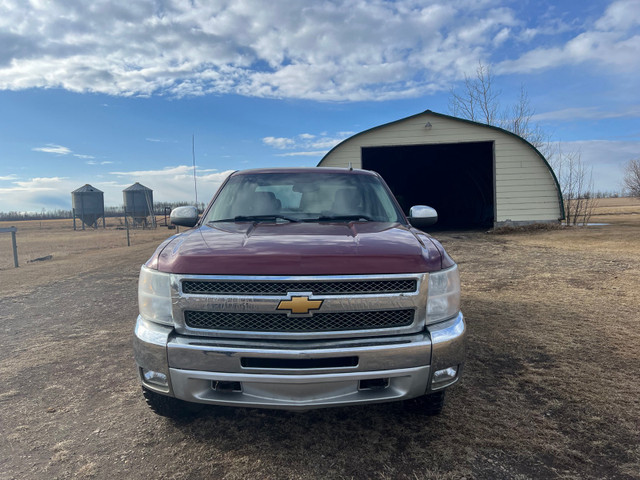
{"x":278,"y":322}
{"x":199,"y":287}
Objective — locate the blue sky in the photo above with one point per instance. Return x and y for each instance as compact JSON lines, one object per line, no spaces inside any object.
{"x":110,"y":92}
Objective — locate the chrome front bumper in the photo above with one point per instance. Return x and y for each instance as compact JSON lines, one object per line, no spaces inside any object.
{"x":297,"y":374}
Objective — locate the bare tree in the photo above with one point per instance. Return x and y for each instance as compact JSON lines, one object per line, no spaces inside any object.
{"x":576,"y":183}
{"x":479,"y":100}
{"x":632,"y":177}
{"x":517,"y":118}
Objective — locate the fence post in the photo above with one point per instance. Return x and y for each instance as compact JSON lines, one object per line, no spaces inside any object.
{"x":126,"y":223}
{"x":14,"y":245}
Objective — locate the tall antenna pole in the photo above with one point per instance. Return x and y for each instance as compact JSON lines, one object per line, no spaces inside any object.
{"x":193,"y":155}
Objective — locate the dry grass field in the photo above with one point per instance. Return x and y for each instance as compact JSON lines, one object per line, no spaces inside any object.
{"x":551,"y":387}
{"x":38,"y":239}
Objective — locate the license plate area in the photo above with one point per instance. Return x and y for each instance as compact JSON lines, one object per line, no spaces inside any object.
{"x":298,"y":363}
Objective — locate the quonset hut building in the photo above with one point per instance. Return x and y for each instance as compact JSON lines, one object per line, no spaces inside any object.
{"x":475,"y":175}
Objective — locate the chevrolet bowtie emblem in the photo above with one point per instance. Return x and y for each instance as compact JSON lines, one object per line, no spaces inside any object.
{"x":299,"y":305}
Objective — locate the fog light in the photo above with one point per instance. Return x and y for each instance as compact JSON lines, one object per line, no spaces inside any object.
{"x":154,"y":378}
{"x":374,"y":384}
{"x":226,"y":387}
{"x":446,"y":375}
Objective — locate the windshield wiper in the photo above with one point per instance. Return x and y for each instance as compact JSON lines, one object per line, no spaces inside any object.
{"x":255,"y":218}
{"x":339,"y":218}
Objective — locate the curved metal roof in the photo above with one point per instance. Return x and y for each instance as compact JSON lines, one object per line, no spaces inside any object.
{"x":471,"y":122}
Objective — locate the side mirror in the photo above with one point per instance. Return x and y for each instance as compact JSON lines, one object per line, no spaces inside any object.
{"x":422,"y":216}
{"x":185,"y":216}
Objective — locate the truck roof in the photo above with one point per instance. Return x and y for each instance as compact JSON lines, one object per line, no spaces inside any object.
{"x":305,"y":170}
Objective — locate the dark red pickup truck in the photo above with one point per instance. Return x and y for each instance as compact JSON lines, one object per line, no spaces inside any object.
{"x":299,"y":289}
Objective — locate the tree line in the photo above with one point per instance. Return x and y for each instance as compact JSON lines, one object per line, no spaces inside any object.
{"x":159,"y":208}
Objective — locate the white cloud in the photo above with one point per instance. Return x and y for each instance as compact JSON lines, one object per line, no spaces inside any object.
{"x":34,"y":194}
{"x":340,"y":50}
{"x":61,"y":150}
{"x":279,"y":143}
{"x":326,"y":50}
{"x":502,"y":36}
{"x":306,"y":144}
{"x":587,"y":113}
{"x":328,"y":143}
{"x":620,"y":15}
{"x":319,"y":153}
{"x":178,"y":171}
{"x":169,"y":184}
{"x":52,"y":148}
{"x":40,"y":183}
{"x":612,"y":41}
{"x":94,"y":162}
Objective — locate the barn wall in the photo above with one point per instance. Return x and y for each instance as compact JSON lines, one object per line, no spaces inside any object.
{"x":525,"y":188}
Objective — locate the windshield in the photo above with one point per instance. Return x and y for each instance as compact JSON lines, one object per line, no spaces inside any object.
{"x":304,"y":197}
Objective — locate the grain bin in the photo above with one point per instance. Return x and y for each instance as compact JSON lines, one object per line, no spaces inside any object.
{"x":88,"y":205}
{"x":138,"y":204}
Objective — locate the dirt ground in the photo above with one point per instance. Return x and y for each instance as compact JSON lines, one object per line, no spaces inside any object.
{"x":551,"y":387}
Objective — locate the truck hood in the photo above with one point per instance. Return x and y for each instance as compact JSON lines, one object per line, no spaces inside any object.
{"x":298,"y":249}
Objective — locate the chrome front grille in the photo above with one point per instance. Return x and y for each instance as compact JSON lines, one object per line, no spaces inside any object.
{"x":279,"y":322}
{"x":257,"y":307}
{"x":360,"y":287}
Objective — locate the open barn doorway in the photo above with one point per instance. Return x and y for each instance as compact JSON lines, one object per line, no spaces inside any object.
{"x":456,"y":179}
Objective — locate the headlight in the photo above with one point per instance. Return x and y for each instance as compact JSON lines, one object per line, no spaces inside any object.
{"x":154,"y":296}
{"x":444,"y":295}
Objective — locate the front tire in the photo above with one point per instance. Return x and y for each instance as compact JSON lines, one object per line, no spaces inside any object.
{"x":170,"y":407}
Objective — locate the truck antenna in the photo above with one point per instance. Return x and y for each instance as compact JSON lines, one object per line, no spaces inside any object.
{"x":193,"y":156}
